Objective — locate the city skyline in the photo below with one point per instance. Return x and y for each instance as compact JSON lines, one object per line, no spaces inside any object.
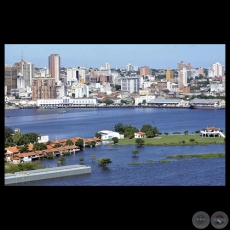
{"x":155,"y":56}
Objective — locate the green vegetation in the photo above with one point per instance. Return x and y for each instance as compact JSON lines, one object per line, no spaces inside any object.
{"x":93,"y":157}
{"x":139,"y":142}
{"x":49,"y":155}
{"x":17,"y":138}
{"x":164,"y":161}
{"x":138,"y":163}
{"x":202,"y":156}
{"x":134,"y":152}
{"x":57,"y":145}
{"x":104,"y":161}
{"x":61,"y":160}
{"x":115,"y":140}
{"x":80,"y":143}
{"x":81,"y":159}
{"x":39,"y":146}
{"x":12,"y":168}
{"x":176,"y":140}
{"x":69,"y":142}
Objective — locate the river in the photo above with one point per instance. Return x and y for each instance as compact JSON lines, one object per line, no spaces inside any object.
{"x":149,"y":172}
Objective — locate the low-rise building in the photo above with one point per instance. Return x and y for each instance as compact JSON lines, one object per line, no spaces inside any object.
{"x":108,"y":134}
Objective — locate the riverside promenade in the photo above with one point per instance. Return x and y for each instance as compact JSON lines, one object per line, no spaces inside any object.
{"x":46,"y":173}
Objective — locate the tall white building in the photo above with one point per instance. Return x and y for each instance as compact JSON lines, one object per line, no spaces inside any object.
{"x":28,"y":73}
{"x":107,"y":66}
{"x":72,"y":76}
{"x":82,"y":75}
{"x":216,"y":70}
{"x":130,"y":84}
{"x":182,"y":78}
{"x":80,"y":90}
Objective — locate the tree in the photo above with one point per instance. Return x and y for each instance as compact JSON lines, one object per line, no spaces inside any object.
{"x":80,"y":143}
{"x":98,"y":135}
{"x":93,"y":157}
{"x":152,"y":131}
{"x":104,"y":161}
{"x":108,"y":101}
{"x":8,"y":131}
{"x":30,"y":138}
{"x":118,"y":87}
{"x":186,"y":132}
{"x":18,"y":138}
{"x":129,"y":131}
{"x":24,"y":149}
{"x":134,"y":152}
{"x":69,"y":142}
{"x":139,"y":141}
{"x":81,"y":159}
{"x":57,"y":145}
{"x":119,"y":127}
{"x":115,"y":140}
{"x":39,"y":146}
{"x":150,"y":134}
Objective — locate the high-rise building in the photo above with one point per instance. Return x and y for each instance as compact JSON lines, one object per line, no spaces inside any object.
{"x":216,"y":70}
{"x":72,"y":76}
{"x":11,"y":74}
{"x":145,"y":71}
{"x":28,"y":73}
{"x":169,"y":74}
{"x":55,"y":66}
{"x":107,"y":66}
{"x":43,"y":88}
{"x":130,"y":84}
{"x":181,"y":65}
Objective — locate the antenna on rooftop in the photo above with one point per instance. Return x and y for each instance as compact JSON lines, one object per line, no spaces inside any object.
{"x":22,"y":55}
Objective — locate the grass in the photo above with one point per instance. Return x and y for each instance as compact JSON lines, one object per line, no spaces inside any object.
{"x":164,"y":161}
{"x":175,"y":140}
{"x":202,"y":156}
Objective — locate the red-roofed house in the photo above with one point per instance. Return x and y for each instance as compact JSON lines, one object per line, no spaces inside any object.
{"x":139,"y":135}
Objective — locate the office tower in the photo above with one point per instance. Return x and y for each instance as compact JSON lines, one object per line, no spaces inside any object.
{"x":28,"y":73}
{"x":169,"y":75}
{"x":10,"y":78}
{"x":55,"y":66}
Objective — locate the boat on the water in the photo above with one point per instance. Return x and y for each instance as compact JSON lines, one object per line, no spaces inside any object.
{"x":216,"y":105}
{"x":62,"y":111}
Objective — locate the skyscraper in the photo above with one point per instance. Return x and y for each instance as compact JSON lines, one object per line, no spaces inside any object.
{"x":55,"y":66}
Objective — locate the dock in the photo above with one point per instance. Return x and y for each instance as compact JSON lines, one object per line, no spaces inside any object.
{"x":46,"y":173}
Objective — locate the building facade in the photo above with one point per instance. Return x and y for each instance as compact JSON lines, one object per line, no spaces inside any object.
{"x":130,"y":84}
{"x":11,"y":73}
{"x":55,"y":66}
{"x":43,"y":88}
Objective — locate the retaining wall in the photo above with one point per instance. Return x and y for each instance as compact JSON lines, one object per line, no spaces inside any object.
{"x":47,"y":173}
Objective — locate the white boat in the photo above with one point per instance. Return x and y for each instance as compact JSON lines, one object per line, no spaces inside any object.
{"x":62,"y":111}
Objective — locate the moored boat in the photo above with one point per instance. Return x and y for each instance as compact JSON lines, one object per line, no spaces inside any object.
{"x":216,"y":105}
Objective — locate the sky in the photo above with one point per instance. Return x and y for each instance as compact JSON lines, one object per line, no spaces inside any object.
{"x":155,"y":56}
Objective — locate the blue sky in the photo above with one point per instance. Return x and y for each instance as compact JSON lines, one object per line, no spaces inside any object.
{"x":156,"y":56}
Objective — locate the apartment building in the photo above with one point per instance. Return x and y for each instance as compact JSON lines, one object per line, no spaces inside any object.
{"x":54,"y":61}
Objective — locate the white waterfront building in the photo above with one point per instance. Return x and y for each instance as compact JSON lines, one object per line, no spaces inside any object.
{"x":66,"y":102}
{"x":108,"y":134}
